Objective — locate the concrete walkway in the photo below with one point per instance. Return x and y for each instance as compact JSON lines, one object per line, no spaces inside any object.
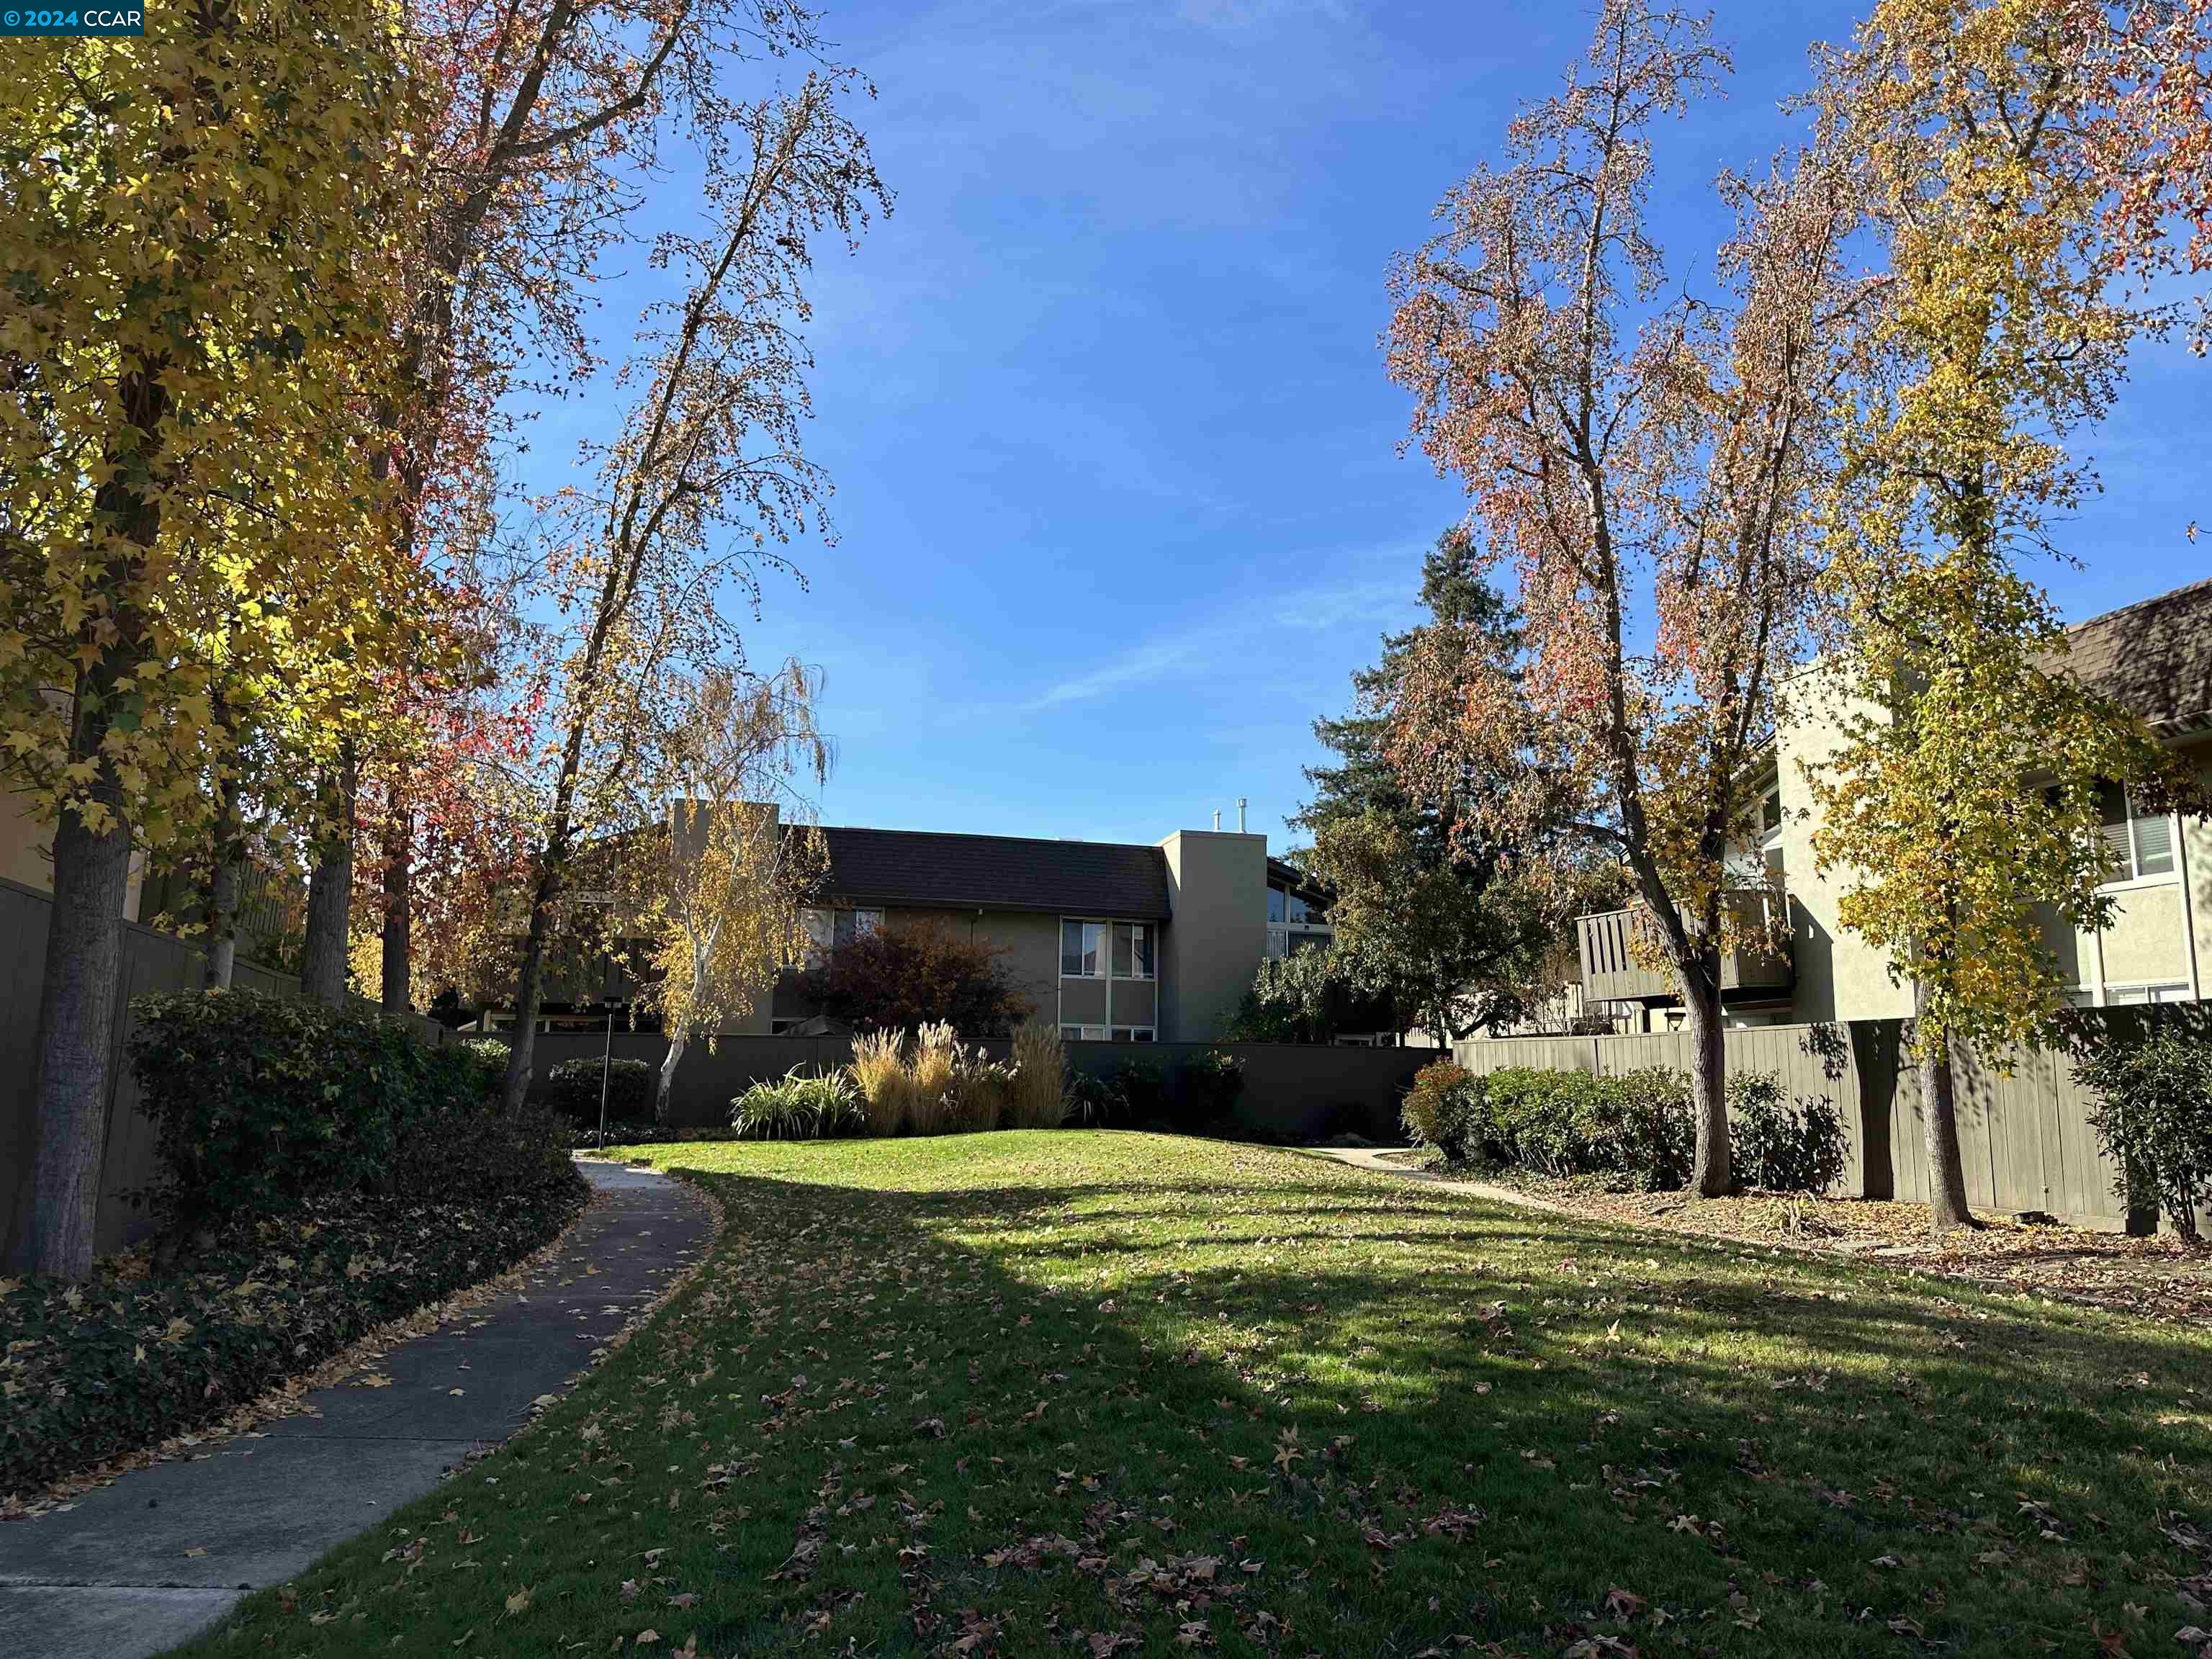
{"x":1372,"y":1159}
{"x":141,"y":1565}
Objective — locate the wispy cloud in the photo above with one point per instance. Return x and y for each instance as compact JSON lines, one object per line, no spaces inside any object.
{"x":1142,"y":665}
{"x":1245,"y":634}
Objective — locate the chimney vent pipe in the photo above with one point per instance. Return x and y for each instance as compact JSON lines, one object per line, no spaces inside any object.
{"x":1240,"y":815}
{"x":1217,"y":819}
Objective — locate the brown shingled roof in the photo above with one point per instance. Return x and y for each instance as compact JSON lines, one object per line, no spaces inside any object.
{"x":2154,"y":656}
{"x":931,"y":869}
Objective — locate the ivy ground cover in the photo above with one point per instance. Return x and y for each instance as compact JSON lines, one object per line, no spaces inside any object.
{"x":1088,"y":1393}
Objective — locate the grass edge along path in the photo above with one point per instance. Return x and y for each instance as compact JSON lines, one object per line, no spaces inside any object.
{"x":1089,"y":1393}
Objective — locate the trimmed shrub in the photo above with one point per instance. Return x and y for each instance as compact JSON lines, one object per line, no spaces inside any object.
{"x":800,"y":1106}
{"x":1212,"y":1084}
{"x":1649,"y":1131}
{"x":261,"y":1102}
{"x":2155,"y":1118}
{"x":1039,"y":1099}
{"x":1141,"y":1088}
{"x":1784,"y":1146}
{"x":1565,"y":1123}
{"x":327,"y":1170}
{"x":1442,"y":1109}
{"x":488,"y":1056}
{"x":571,"y":1089}
{"x":1544,"y":1120}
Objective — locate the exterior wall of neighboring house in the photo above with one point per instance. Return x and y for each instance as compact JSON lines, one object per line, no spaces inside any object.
{"x":1028,"y":945}
{"x":2156,"y":948}
{"x":1839,"y":975}
{"x":27,"y":853}
{"x":1217,"y":888}
{"x":1180,"y":979}
{"x":2160,"y":942}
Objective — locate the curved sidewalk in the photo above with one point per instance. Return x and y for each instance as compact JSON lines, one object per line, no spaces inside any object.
{"x":137,"y":1567}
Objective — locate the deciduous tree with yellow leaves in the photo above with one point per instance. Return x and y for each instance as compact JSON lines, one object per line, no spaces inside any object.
{"x":1963,"y":804}
{"x":719,"y":897}
{"x":192,"y":235}
{"x":706,"y":478}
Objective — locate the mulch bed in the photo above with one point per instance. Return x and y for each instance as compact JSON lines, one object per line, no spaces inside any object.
{"x":2163,"y":1278}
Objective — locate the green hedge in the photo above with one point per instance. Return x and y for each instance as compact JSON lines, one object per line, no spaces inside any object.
{"x":323,"y":1172}
{"x":571,"y":1089}
{"x":1638,"y":1125}
{"x":262,"y":1102}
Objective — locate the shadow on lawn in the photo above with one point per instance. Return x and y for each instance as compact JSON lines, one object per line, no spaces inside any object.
{"x":974,"y":1412}
{"x":1824,"y":1417}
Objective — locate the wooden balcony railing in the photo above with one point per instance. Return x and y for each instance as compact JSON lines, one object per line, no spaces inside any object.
{"x":1624,"y":962}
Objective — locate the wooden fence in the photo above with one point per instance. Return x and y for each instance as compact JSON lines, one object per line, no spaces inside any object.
{"x":2024,"y":1128}
{"x":151,"y":961}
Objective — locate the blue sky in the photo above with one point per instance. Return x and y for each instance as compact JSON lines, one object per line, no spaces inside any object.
{"x":1119,"y":500}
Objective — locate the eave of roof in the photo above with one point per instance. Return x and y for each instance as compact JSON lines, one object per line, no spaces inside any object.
{"x":935,"y":870}
{"x":2153,"y":656}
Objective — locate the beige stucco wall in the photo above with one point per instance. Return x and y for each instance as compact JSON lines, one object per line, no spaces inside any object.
{"x":2145,"y":943}
{"x":1839,"y":975}
{"x":27,"y":853}
{"x":2197,"y":855}
{"x":25,"y":845}
{"x":2161,"y":934}
{"x":1218,"y":889}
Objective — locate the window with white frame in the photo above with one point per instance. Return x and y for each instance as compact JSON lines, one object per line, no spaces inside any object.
{"x":1106,"y":949}
{"x":826,"y":929}
{"x":1133,"y":950}
{"x":1083,"y":950}
{"x":2142,"y":842}
{"x":1083,"y":1033}
{"x":1133,"y":1033}
{"x":2135,"y":996}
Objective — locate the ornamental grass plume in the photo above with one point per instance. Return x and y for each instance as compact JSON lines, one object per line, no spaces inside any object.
{"x":931,"y":1077}
{"x":887,"y":1091}
{"x":1038,"y":1099}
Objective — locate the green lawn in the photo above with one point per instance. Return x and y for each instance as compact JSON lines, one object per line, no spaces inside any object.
{"x":1078,"y":1393}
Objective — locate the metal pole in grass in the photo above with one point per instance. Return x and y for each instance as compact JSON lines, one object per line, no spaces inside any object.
{"x":606,"y":1066}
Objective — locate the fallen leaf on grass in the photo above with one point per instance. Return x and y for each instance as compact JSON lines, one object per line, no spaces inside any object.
{"x":519,"y":1600}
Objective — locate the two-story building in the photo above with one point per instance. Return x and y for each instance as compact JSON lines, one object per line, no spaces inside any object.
{"x":1112,"y":941}
{"x":1802,"y":965}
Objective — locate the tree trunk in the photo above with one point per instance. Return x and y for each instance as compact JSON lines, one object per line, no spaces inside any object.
{"x":1939,"y":1111}
{"x":666,"y":1084}
{"x":222,"y":923}
{"x":330,"y":893}
{"x":77,"y":1034}
{"x":398,"y":911}
{"x":1713,"y":1173}
{"x":530,"y":985}
{"x":92,"y":878}
{"x":224,"y":875}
